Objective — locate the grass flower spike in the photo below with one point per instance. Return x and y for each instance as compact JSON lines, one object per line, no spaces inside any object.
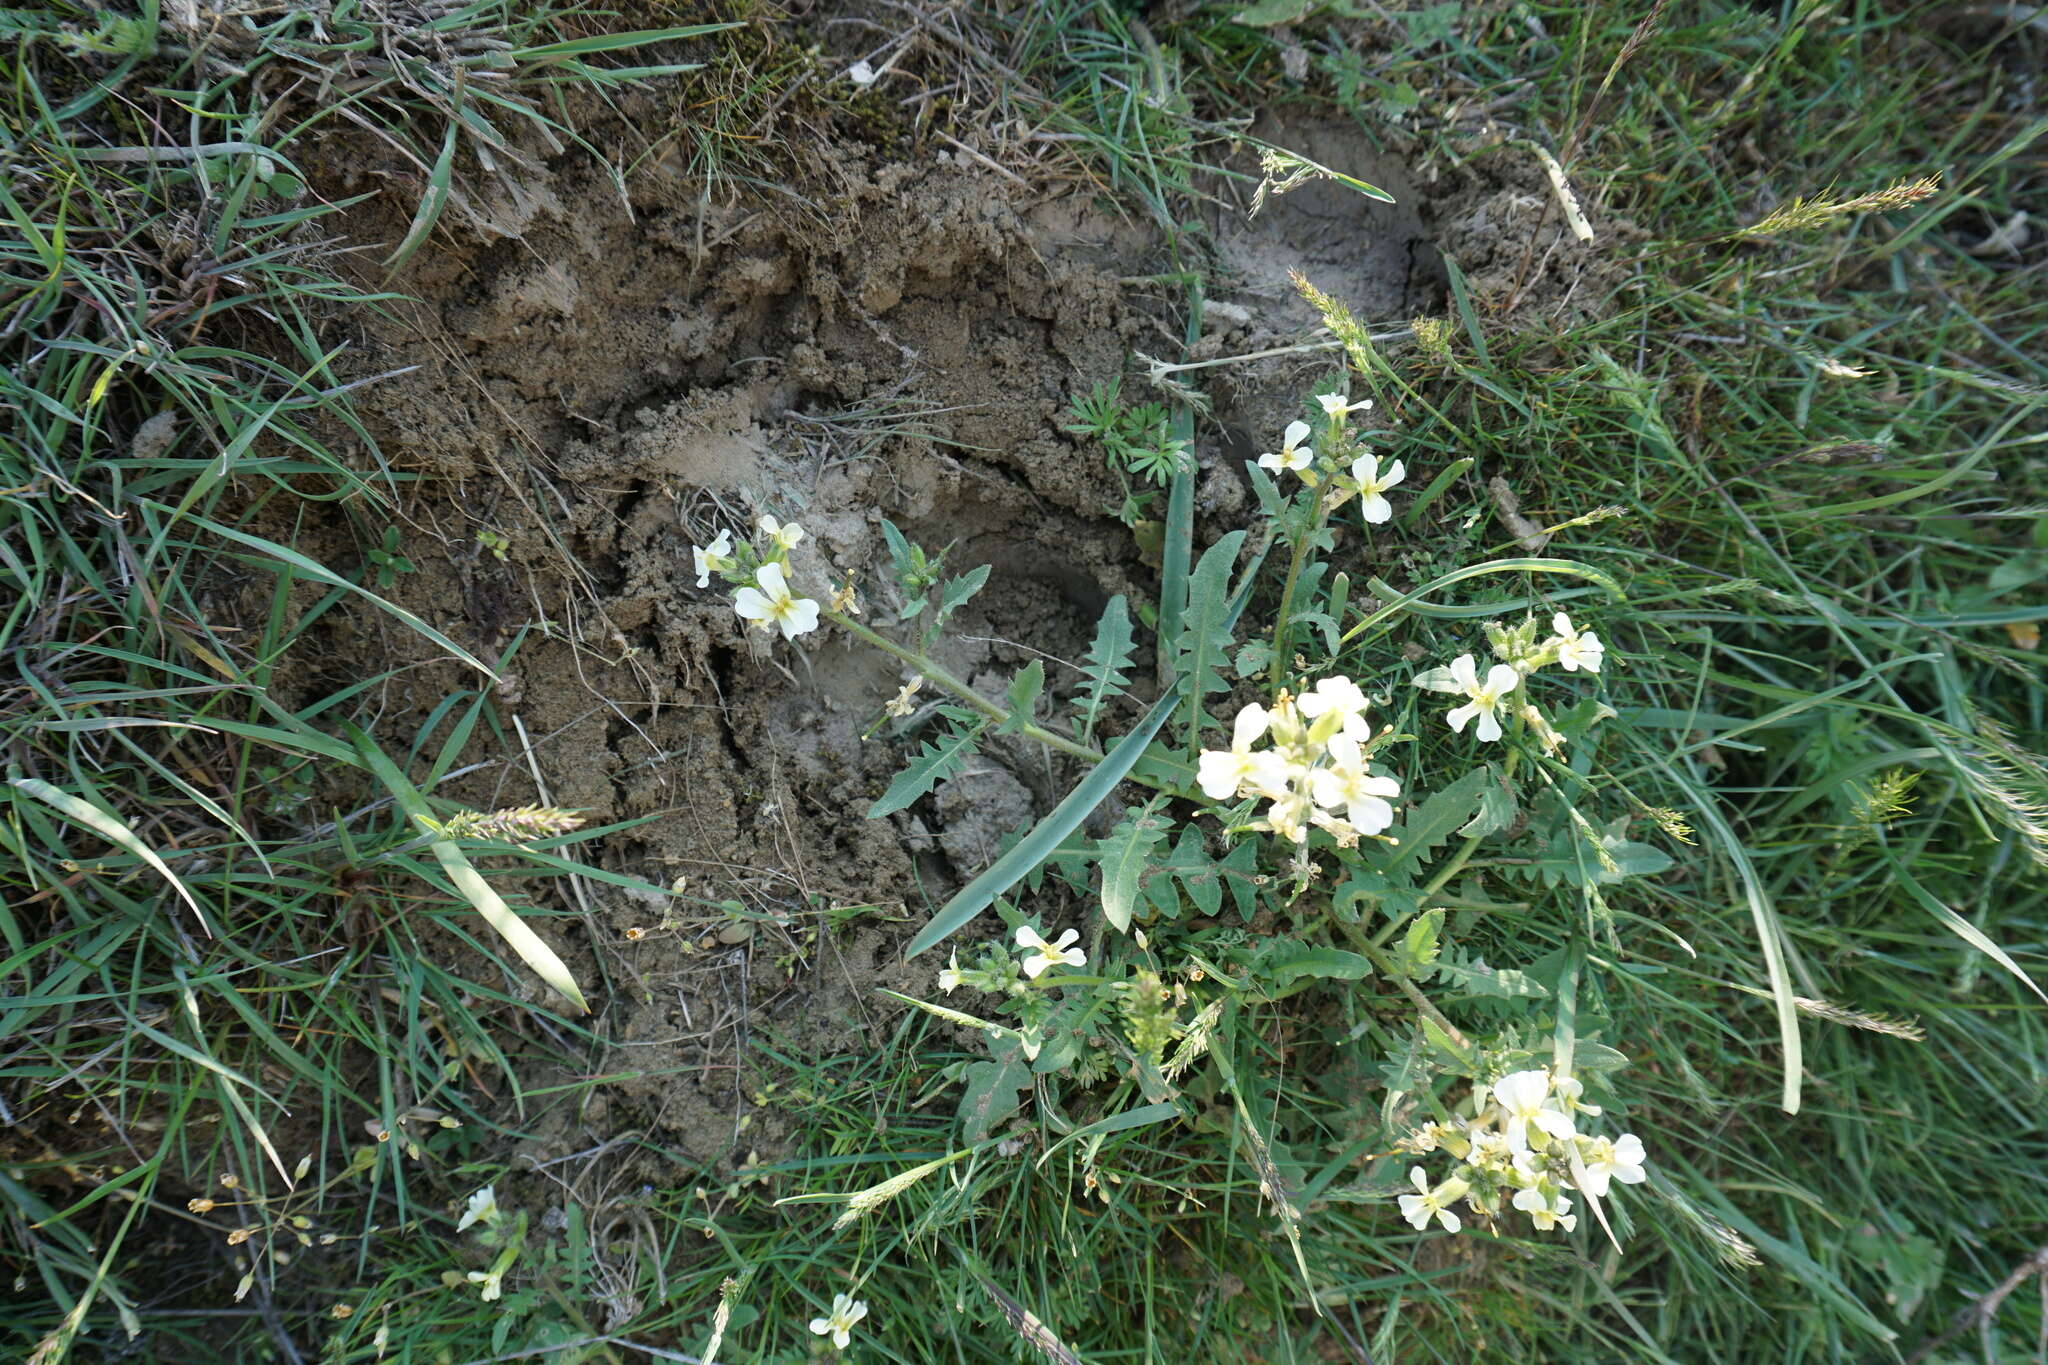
{"x":1576,"y":649}
{"x":1372,"y":485}
{"x":1292,"y":453}
{"x":839,"y":1323}
{"x":1485,"y":696}
{"x":1048,"y":954}
{"x":768,"y":601}
{"x":713,"y":558}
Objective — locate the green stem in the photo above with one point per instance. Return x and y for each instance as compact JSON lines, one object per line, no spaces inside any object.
{"x":1423,"y":1005}
{"x":939,"y":675}
{"x":1464,"y":854}
{"x":1311,"y":523}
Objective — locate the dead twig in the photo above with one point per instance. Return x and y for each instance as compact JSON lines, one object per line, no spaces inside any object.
{"x":1985,"y":1307}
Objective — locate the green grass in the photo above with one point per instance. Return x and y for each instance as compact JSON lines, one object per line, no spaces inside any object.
{"x":260,"y":963}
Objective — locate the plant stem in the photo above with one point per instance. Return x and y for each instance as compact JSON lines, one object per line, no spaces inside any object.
{"x":1311,"y":523}
{"x":1471,"y":845}
{"x":1386,"y":968}
{"x":938,"y":674}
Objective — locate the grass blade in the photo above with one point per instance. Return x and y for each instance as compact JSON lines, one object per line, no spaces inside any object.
{"x":113,"y":829}
{"x":1047,"y":835}
{"x":532,"y":949}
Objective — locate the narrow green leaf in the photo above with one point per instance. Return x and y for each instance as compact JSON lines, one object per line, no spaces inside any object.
{"x":440,"y":186}
{"x":1047,"y":835}
{"x":1445,"y":477}
{"x":613,"y":42}
{"x":311,"y":568}
{"x":521,"y":938}
{"x":1957,"y":925}
{"x":1395,"y":601}
{"x":111,"y":828}
{"x":1461,"y":299}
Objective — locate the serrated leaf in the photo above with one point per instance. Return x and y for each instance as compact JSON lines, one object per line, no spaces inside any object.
{"x":901,"y":558}
{"x":1421,"y":945}
{"x":1023,"y":697}
{"x":1496,"y":807}
{"x":938,"y":760}
{"x":1204,"y":641}
{"x":1474,"y":975}
{"x":1437,"y":819}
{"x":1253,"y":659}
{"x":995,"y":1090}
{"x":1047,"y":835}
{"x":1124,"y":856}
{"x":1103,"y":668}
{"x":954,"y":594}
{"x":1287,"y":961}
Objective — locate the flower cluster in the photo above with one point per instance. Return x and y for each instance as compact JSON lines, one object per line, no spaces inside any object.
{"x":1366,"y":479}
{"x":1521,"y":654}
{"x":998,"y":975}
{"x":1522,"y":1150}
{"x":760,"y":577}
{"x":1315,"y":770}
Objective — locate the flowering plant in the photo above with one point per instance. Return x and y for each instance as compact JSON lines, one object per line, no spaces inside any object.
{"x":1301,"y":818}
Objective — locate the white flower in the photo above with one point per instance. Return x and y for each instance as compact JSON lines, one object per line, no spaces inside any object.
{"x":1343,"y":831}
{"x":1346,"y":785}
{"x":483,"y":1208}
{"x":1335,"y":406}
{"x":1292,"y":454}
{"x":1046,"y":954}
{"x":846,"y":1311}
{"x":1372,"y":483}
{"x":1568,"y":1089}
{"x":1427,"y":1203}
{"x":1289,"y":815}
{"x":784,"y":535}
{"x":491,"y":1280}
{"x":712,"y":558}
{"x":1342,"y":696}
{"x":1547,"y":1208}
{"x":1485,"y":697}
{"x":949,"y":975}
{"x":1521,"y":1095}
{"x":862,"y":73}
{"x":769,"y":601}
{"x":1602,"y":1161}
{"x":1576,"y":649}
{"x":900,"y":704}
{"x":1223,"y":773}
